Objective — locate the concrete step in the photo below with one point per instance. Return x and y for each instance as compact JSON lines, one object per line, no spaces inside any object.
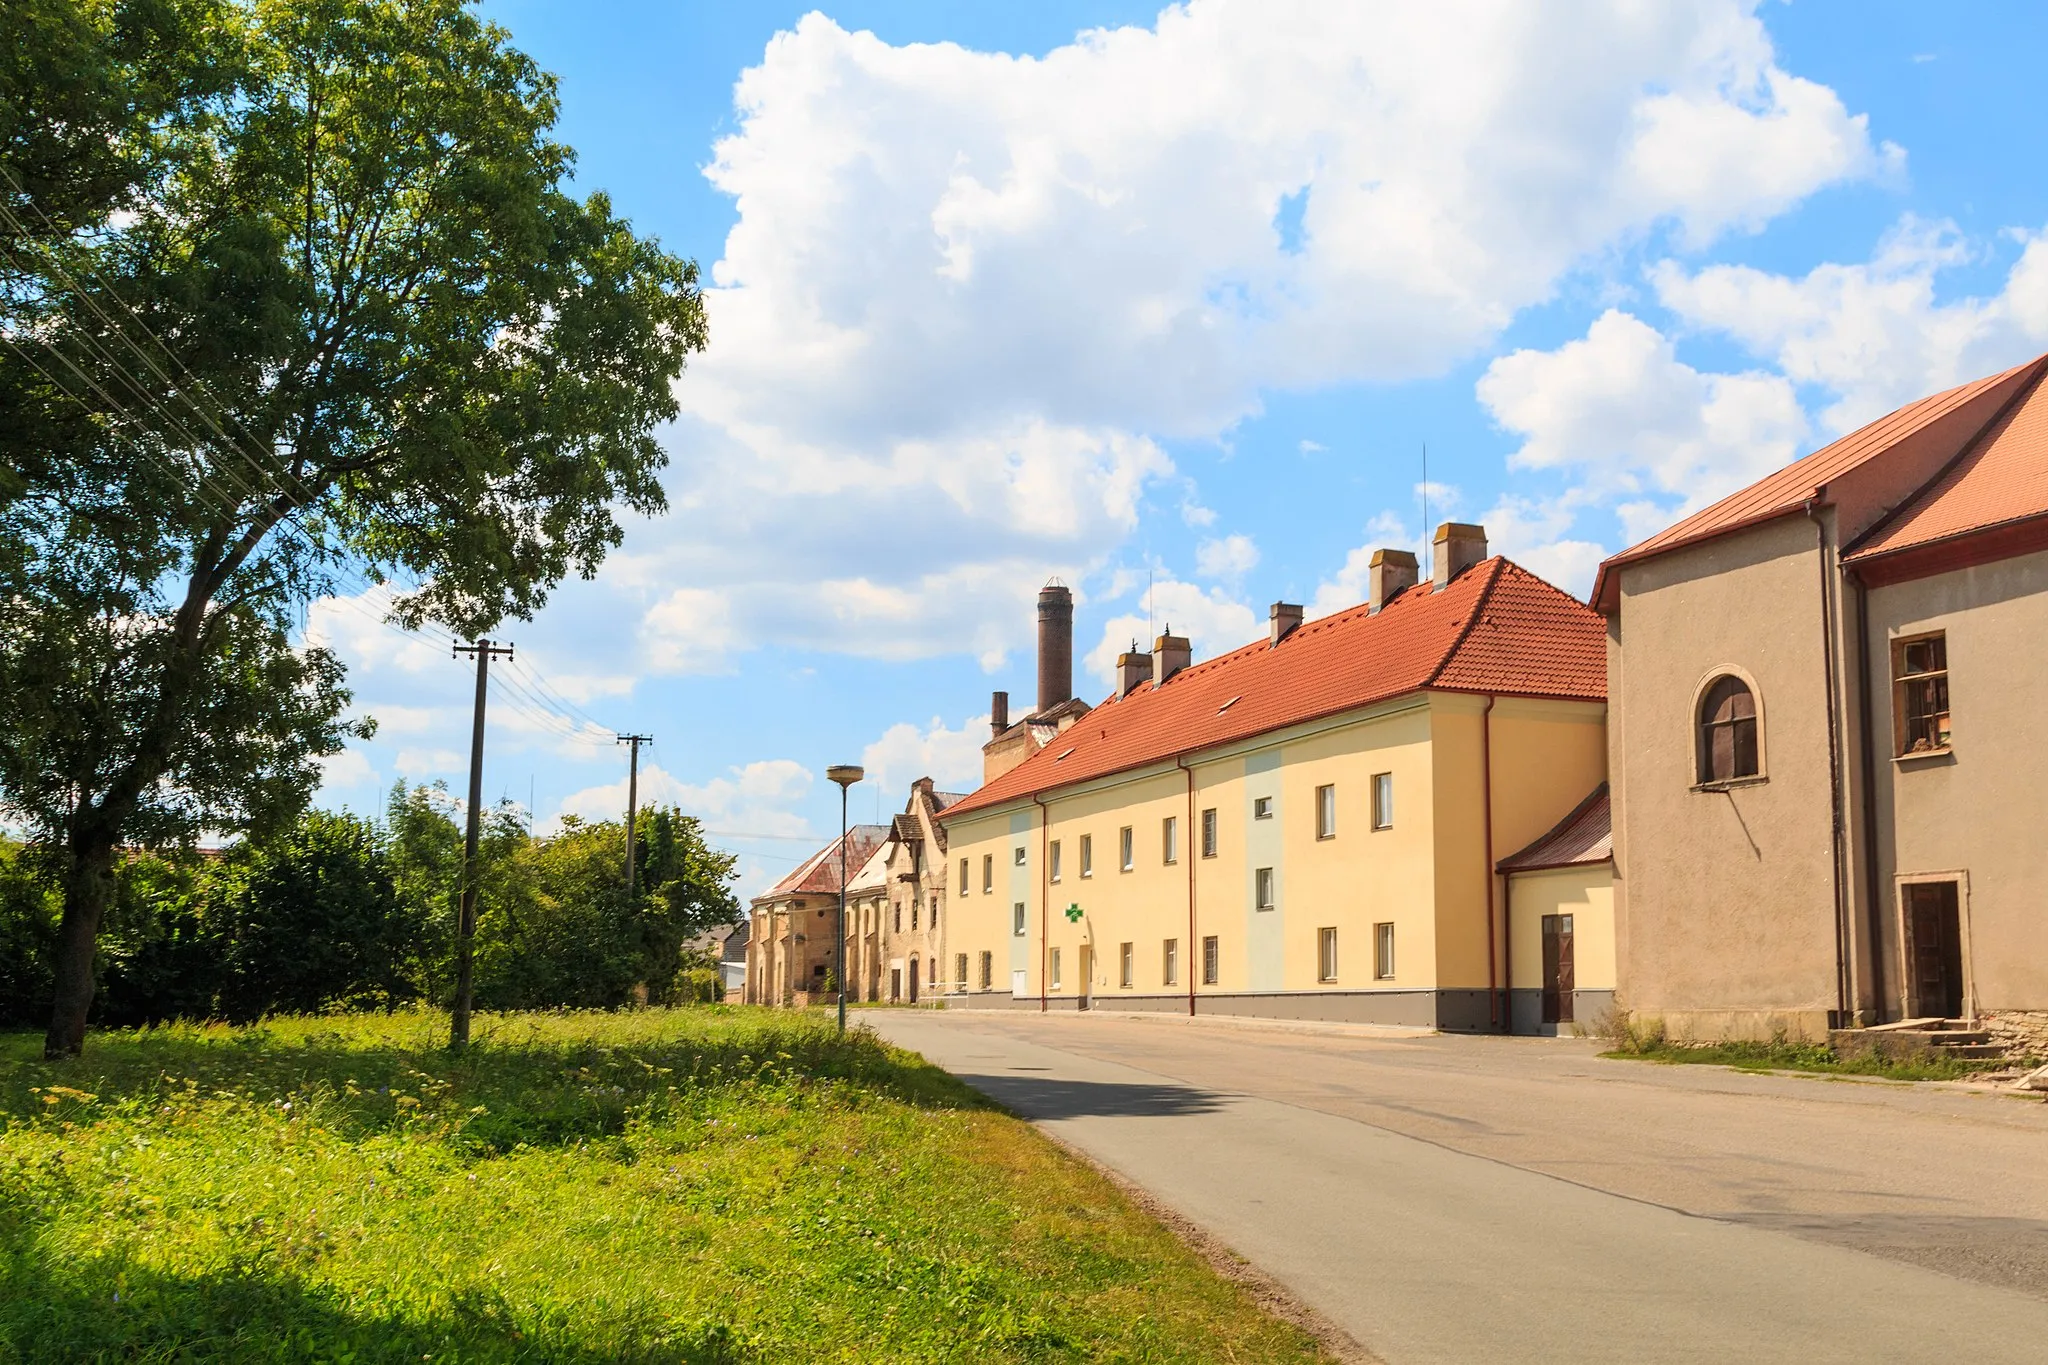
{"x":1973,"y":1050}
{"x":1949,"y":1038}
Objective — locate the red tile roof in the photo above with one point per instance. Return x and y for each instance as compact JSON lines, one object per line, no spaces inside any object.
{"x":1777,"y":494}
{"x":818,"y":875}
{"x":2000,"y":479}
{"x":1495,"y":628}
{"x":1583,"y":837}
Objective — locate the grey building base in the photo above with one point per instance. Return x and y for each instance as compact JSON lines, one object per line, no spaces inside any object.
{"x":1452,"y":1011}
{"x":1587,"y":1007}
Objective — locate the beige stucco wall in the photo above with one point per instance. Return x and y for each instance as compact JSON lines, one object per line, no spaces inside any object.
{"x":1546,"y":758}
{"x":1726,"y":896}
{"x":1982,"y":810}
{"x":1586,"y":893}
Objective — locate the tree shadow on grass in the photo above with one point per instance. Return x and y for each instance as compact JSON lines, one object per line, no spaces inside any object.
{"x":505,"y":1091}
{"x":107,"y":1311}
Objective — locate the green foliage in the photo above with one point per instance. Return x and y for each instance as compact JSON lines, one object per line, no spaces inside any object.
{"x":350,"y":317}
{"x":29,"y":907}
{"x":692,"y":1185}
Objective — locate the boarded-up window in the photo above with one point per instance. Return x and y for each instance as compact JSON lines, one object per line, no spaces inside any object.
{"x":1920,"y":693}
{"x":1727,"y":738}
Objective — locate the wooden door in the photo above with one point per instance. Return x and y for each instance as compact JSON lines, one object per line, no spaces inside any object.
{"x":1935,"y":944}
{"x":913,"y":981}
{"x":1558,"y":972}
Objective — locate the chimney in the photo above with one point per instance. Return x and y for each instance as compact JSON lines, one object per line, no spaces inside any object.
{"x":1393,"y":573}
{"x":1170,"y":654}
{"x":1055,"y":645}
{"x":999,"y":714}
{"x":1459,"y":546}
{"x":1132,"y":668}
{"x":1284,"y":616}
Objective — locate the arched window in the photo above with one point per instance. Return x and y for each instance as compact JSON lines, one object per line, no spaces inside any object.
{"x":1727,"y":731}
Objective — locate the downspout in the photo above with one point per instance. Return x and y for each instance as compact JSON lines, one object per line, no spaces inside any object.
{"x":1044,"y":906}
{"x":1874,"y":903}
{"x":1507,"y":949}
{"x":1188,"y":852}
{"x":1827,"y":630}
{"x":1486,"y":799}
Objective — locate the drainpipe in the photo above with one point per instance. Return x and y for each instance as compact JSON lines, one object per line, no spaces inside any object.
{"x":1874,"y":904}
{"x":1486,"y":797}
{"x":1507,"y":949}
{"x":1044,"y":907}
{"x":1827,"y":632}
{"x":1188,"y":852}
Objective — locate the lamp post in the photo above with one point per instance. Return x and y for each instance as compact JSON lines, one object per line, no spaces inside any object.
{"x":845,"y":774}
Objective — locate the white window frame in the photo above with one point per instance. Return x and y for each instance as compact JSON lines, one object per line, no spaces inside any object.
{"x":1212,"y":959}
{"x":1126,"y":965}
{"x":1264,"y":892}
{"x":1326,"y":811}
{"x":1053,"y":859}
{"x":1017,"y":919}
{"x":1053,"y":975}
{"x":1383,"y":951}
{"x":988,"y":874}
{"x":1262,"y":808}
{"x":1169,"y":962}
{"x":1326,"y":954}
{"x":1169,"y":840}
{"x":1087,"y":856}
{"x":1127,"y":849}
{"x":1382,"y":801}
{"x":1212,"y":834}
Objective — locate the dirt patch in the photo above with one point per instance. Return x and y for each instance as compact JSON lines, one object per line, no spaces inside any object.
{"x":1271,"y":1296}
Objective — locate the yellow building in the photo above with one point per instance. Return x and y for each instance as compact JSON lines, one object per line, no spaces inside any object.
{"x":1306,"y":827}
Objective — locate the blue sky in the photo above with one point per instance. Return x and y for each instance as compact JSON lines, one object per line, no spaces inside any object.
{"x":1178,"y":299}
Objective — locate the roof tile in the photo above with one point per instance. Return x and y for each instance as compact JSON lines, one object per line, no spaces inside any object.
{"x":1494,"y":628}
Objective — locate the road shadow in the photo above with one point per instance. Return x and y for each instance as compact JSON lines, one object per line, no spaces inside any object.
{"x":2011,"y":1253}
{"x":1042,"y":1097}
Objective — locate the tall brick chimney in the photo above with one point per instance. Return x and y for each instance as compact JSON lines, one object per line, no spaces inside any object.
{"x":998,"y":713}
{"x":1459,"y":545}
{"x":1393,"y":572}
{"x":1055,"y":645}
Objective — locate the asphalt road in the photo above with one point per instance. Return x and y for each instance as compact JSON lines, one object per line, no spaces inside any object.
{"x":1459,"y":1199}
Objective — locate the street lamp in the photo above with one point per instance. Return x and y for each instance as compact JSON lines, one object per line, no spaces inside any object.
{"x":845,"y":774}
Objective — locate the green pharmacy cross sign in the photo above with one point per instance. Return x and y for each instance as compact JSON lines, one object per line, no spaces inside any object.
{"x":1074,"y":914}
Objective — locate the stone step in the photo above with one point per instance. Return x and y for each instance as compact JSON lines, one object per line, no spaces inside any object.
{"x":1955,"y":1038}
{"x":1974,"y":1050}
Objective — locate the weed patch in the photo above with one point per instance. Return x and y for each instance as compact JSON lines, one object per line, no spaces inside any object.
{"x":694,"y":1185}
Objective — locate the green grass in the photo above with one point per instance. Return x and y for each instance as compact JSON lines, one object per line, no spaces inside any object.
{"x":712,"y":1184}
{"x":1783,"y":1055}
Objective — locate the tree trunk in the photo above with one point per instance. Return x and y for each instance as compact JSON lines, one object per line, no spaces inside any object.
{"x":88,"y":889}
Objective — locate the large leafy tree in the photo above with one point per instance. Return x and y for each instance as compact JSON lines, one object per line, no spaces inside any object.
{"x":354,"y":322}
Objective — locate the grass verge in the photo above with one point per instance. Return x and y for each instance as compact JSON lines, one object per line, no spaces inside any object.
{"x":708,"y":1185}
{"x":1783,"y":1054}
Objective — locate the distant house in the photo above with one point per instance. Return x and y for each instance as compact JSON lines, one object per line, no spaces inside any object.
{"x":1829,"y":731}
{"x":793,"y":927}
{"x":729,"y":943}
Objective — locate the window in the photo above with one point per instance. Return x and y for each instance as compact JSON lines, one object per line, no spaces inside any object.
{"x":1920,"y":694}
{"x":1326,"y":954}
{"x":1169,"y":962}
{"x":988,"y":970}
{"x":935,"y":912}
{"x":1126,"y":965}
{"x":1017,"y":856}
{"x":1326,"y":812}
{"x":1053,"y":859}
{"x":1169,"y":839}
{"x":897,"y":918}
{"x":963,"y":876}
{"x":1054,"y":975}
{"x":1017,"y":918}
{"x":988,"y":873}
{"x":1727,"y":731}
{"x":1126,"y":860}
{"x":1262,"y":808}
{"x":960,"y":969}
{"x":1211,"y":960}
{"x":914,"y":907}
{"x":1382,"y":800}
{"x":1209,"y":832}
{"x":1383,"y":951}
{"x":1262,"y":888}
{"x":1087,"y":855}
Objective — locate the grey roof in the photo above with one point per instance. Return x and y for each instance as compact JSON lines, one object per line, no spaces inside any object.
{"x":1583,"y":837}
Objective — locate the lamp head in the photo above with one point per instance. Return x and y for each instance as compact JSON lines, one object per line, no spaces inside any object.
{"x":845,"y":774}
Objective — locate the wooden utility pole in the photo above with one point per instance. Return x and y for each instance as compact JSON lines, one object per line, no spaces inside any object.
{"x":632,"y":804}
{"x":465,"y":915}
